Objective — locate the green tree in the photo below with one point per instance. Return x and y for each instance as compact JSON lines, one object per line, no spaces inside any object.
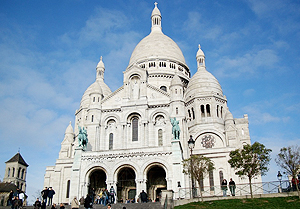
{"x":289,"y":160}
{"x":250,"y":161}
{"x":198,"y":167}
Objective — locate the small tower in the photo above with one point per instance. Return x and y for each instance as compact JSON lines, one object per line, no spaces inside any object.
{"x":15,"y":171}
{"x":100,"y":70}
{"x":200,"y":58}
{"x":156,"y":19}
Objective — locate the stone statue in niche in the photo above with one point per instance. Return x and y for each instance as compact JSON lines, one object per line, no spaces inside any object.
{"x":82,"y":137}
{"x":135,"y":88}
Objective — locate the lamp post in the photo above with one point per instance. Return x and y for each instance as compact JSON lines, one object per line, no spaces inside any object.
{"x":279,"y":177}
{"x":191,"y":144}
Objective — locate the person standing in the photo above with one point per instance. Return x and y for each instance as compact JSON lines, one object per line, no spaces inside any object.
{"x":10,"y":198}
{"x":112,"y":193}
{"x":232,"y":187}
{"x":44,"y":194}
{"x":143,"y":196}
{"x":51,"y":192}
{"x":224,"y":187}
{"x":75,"y":203}
{"x":88,"y":202}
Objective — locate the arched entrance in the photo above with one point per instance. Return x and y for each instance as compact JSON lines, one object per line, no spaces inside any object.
{"x":126,"y":186}
{"x":97,"y":181}
{"x":156,"y":181}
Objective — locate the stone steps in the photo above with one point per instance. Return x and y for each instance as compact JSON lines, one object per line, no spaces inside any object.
{"x":149,"y":205}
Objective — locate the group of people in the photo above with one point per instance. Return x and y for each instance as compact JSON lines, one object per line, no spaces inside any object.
{"x":16,"y":199}
{"x":231,"y":187}
{"x":47,"y":196}
{"x":104,"y":196}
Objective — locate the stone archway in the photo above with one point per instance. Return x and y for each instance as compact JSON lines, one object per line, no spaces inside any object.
{"x":126,"y":186}
{"x":97,"y":181}
{"x":156,"y":181}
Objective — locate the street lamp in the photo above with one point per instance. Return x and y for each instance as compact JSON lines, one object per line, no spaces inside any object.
{"x":191,"y":144}
{"x":279,"y":177}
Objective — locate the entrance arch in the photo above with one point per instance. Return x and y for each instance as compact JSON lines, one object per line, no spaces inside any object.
{"x":156,"y":181}
{"x":97,"y":181}
{"x":126,"y":186}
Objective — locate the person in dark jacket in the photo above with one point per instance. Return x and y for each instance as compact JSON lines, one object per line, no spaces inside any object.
{"x":51,"y":192}
{"x":232,"y":187}
{"x":10,"y":198}
{"x":143,"y":196}
{"x":44,"y":194}
{"x":88,"y":202}
{"x":37,"y":204}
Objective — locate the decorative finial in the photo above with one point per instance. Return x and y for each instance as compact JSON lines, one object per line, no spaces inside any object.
{"x":70,"y":123}
{"x":19,"y":150}
{"x":101,"y":58}
{"x":155,"y":3}
{"x":199,"y":46}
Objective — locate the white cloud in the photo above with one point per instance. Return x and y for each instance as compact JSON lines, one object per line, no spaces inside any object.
{"x":249,"y":64}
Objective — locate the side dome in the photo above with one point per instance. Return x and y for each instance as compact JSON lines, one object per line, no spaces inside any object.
{"x":95,"y":88}
{"x":203,"y":83}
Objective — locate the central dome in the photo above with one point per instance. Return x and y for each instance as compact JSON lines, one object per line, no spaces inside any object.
{"x":156,"y":44}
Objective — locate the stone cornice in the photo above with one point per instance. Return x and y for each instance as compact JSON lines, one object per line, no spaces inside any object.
{"x":100,"y":157}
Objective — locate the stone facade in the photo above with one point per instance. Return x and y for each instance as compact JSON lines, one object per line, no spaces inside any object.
{"x":130,"y":142}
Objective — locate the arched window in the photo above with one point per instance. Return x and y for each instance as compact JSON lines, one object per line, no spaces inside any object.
{"x":92,"y":120}
{"x":202,"y":111}
{"x":176,"y":110}
{"x":94,"y":99}
{"x":175,"y":91}
{"x":22,"y":174}
{"x":68,"y":189}
{"x":221,"y":112}
{"x":208,"y":110}
{"x":217,"y":110}
{"x":21,"y":187}
{"x":163,"y":88}
{"x":190,"y":116}
{"x":19,"y":172}
{"x":193,"y":113}
{"x":160,"y":137}
{"x":135,"y":130}
{"x":13,"y":173}
{"x":111,"y":141}
{"x":211,"y":181}
{"x":221,"y":176}
{"x":8,"y":172}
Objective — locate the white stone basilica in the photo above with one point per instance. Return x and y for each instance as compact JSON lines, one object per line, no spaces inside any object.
{"x":130,"y":142}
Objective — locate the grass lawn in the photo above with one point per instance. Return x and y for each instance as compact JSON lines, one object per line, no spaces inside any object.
{"x":261,"y":203}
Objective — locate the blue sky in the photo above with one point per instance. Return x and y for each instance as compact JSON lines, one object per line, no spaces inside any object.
{"x":49,"y":51}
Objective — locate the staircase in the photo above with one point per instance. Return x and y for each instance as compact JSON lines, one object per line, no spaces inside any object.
{"x":150,"y":205}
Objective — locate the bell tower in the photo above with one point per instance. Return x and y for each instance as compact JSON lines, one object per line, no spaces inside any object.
{"x":15,"y":171}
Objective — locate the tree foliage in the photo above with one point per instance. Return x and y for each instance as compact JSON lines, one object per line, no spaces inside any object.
{"x":289,"y":160}
{"x":250,"y":161}
{"x":198,"y":166}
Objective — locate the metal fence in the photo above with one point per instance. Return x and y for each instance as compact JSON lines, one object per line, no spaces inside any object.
{"x":241,"y":189}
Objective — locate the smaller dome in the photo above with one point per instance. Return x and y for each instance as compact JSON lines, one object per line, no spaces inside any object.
{"x":95,"y":88}
{"x":203,"y":83}
{"x":69,"y":129}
